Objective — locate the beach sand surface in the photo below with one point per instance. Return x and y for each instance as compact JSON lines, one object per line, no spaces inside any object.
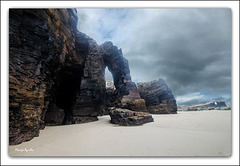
{"x":197,"y":133}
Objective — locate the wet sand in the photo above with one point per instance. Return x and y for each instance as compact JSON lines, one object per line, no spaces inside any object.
{"x":200,"y":133}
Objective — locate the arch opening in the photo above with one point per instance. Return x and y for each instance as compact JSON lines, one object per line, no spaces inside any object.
{"x":109,"y":79}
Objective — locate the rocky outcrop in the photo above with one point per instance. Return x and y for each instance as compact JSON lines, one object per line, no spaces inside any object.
{"x":158,"y":97}
{"x":125,"y":117}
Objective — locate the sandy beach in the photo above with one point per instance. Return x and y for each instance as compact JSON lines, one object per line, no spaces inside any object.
{"x":200,"y":133}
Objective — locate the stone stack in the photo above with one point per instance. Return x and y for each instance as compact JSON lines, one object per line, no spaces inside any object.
{"x":158,"y":97}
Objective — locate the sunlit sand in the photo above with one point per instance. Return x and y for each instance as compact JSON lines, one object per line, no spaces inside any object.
{"x":200,"y":133}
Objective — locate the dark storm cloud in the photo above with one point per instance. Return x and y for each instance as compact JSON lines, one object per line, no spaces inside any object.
{"x":189,"y":48}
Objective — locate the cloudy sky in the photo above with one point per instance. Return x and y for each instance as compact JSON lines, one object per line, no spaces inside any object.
{"x":189,"y":48}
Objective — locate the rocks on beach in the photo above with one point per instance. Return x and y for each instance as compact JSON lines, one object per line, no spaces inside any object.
{"x":125,"y":117}
{"x":158,"y":97}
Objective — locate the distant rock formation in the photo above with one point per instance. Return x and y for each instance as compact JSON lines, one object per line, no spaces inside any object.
{"x":125,"y":117}
{"x":158,"y":97}
{"x":211,"y":105}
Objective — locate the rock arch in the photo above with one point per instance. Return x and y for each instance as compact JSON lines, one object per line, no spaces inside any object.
{"x":117,"y":65}
{"x":91,"y":101}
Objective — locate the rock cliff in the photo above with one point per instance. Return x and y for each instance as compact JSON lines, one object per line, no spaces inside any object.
{"x":158,"y":97}
{"x":43,"y":62}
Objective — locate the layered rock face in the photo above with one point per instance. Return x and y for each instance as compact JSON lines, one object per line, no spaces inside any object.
{"x":125,"y":117}
{"x":158,"y":97}
{"x":43,"y":60}
{"x":89,"y":100}
{"x":56,"y":73}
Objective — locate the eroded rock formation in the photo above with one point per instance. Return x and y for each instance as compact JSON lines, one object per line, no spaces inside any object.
{"x":125,"y":117}
{"x":43,"y":60}
{"x":158,"y":97}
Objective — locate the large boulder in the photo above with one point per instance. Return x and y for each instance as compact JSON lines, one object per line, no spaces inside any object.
{"x":158,"y":97}
{"x":125,"y":117}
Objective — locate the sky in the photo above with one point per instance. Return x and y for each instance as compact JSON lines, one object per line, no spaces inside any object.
{"x":189,"y":48}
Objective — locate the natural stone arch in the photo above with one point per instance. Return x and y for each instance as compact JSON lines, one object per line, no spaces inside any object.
{"x":126,"y":91}
{"x":117,"y":65}
{"x":91,"y":100}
